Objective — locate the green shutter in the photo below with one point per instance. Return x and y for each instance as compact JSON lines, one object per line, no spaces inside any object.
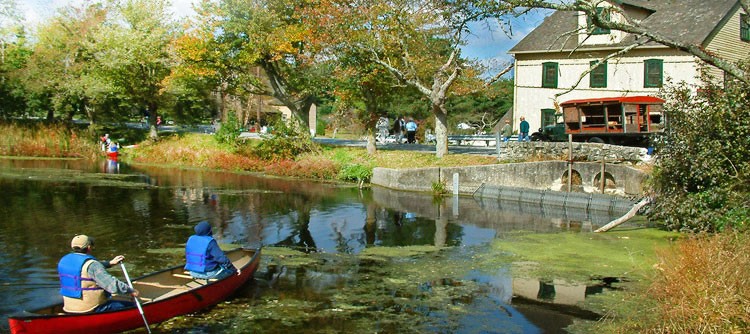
{"x":549,"y":75}
{"x":744,"y":28}
{"x":653,"y":73}
{"x":598,"y":76}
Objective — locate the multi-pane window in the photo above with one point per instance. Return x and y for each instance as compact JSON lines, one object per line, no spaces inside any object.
{"x":549,"y":75}
{"x":548,"y":117}
{"x":744,"y":28}
{"x":598,"y":75}
{"x":653,"y":73}
{"x":600,"y":12}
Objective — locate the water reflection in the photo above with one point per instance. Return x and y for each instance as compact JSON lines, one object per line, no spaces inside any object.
{"x":133,"y":210}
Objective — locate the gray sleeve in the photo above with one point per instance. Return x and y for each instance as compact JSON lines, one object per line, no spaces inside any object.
{"x":106,"y":281}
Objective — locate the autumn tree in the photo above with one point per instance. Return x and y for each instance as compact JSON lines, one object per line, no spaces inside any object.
{"x":206,"y":60}
{"x":417,"y":42}
{"x":270,"y":35}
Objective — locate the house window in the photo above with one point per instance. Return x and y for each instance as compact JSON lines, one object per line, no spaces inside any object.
{"x":598,"y":75}
{"x":549,"y":75}
{"x":653,"y":73}
{"x":548,"y":117}
{"x":604,"y":14}
{"x":744,"y":28}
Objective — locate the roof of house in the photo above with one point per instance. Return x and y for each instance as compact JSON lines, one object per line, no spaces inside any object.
{"x":690,"y":21}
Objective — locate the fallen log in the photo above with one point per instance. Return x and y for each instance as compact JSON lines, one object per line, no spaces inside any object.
{"x":630,"y":214}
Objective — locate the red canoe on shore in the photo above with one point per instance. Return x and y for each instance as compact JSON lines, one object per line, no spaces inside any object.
{"x":164,"y":295}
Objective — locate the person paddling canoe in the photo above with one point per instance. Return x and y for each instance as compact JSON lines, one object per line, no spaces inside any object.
{"x":203,"y":257}
{"x":85,"y":284}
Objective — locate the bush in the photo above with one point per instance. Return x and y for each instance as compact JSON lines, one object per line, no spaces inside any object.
{"x":701,"y":167}
{"x":229,"y":131}
{"x":284,"y":143}
{"x":356,"y":173}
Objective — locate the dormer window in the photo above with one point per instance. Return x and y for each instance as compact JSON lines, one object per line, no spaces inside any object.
{"x":604,"y":14}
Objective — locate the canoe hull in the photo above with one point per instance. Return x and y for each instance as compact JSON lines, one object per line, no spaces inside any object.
{"x":191,"y":300}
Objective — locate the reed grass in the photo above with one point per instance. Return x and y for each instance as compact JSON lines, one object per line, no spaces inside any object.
{"x":703,"y":286}
{"x":42,"y":140}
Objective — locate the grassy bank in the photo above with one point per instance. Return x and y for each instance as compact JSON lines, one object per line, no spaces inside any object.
{"x":322,"y":162}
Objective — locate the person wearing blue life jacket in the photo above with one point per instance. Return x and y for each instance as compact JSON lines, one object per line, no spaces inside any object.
{"x":203,"y":257}
{"x":85,"y":284}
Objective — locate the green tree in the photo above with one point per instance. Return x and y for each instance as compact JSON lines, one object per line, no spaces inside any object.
{"x":701,"y":177}
{"x":58,"y":74}
{"x":131,"y":55}
{"x":14,"y":53}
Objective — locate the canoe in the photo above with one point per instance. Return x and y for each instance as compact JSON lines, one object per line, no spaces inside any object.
{"x":164,"y":295}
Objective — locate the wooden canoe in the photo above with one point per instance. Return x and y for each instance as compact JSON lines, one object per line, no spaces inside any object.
{"x":164,"y":295}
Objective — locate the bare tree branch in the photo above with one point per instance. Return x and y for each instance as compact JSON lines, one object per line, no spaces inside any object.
{"x":599,"y":63}
{"x":500,"y":74}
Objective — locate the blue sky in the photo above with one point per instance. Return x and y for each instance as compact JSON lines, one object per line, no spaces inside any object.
{"x":488,"y":43}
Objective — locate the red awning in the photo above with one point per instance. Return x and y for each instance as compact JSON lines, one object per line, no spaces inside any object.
{"x":611,"y":100}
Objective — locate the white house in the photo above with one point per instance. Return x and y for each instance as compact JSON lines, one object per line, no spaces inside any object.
{"x":551,"y":60}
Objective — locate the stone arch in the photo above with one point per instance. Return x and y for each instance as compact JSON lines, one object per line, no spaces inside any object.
{"x":576,"y":180}
{"x":609,"y":181}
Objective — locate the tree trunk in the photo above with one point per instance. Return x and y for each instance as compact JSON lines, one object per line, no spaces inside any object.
{"x":371,"y":148}
{"x":630,"y":214}
{"x":441,"y":131}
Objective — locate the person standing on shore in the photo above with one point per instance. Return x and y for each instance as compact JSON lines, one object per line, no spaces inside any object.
{"x":523,"y":132}
{"x":507,"y":131}
{"x":411,"y":131}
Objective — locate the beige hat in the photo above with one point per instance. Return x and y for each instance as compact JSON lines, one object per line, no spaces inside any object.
{"x":81,"y":241}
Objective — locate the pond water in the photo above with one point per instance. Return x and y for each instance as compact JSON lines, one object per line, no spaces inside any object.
{"x":337,"y":258}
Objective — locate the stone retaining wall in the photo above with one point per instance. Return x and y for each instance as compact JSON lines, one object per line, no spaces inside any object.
{"x":544,"y":175}
{"x":515,"y":151}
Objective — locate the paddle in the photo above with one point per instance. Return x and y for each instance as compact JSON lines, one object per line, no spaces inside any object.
{"x":137,"y":302}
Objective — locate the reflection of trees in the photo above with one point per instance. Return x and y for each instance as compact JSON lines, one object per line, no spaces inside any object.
{"x":304,"y":240}
{"x":396,"y":231}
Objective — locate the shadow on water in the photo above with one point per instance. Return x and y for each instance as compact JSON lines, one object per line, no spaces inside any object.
{"x":338,"y":258}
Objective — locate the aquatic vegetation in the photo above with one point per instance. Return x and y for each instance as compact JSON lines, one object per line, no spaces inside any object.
{"x":75,"y":176}
{"x":579,"y":257}
{"x":398,"y":289}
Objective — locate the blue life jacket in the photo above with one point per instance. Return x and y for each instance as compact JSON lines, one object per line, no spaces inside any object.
{"x":69,"y":268}
{"x":196,"y":254}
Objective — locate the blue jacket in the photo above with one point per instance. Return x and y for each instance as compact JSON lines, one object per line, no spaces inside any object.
{"x":202,"y":252}
{"x":69,"y":268}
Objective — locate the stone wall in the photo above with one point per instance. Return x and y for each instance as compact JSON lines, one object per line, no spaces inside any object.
{"x":521,"y":151}
{"x":620,"y":179}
